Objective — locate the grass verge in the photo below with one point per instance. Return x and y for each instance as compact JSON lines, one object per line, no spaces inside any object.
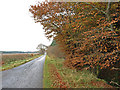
{"x":46,"y":81}
{"x":15,"y":63}
{"x":56,"y":75}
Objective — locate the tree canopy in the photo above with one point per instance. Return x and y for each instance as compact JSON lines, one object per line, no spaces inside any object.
{"x":87,"y":32}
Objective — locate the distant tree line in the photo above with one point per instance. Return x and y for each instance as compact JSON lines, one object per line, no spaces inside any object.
{"x":7,"y":52}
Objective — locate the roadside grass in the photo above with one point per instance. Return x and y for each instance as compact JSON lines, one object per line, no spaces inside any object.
{"x":70,"y":78}
{"x":11,"y":61}
{"x":46,"y":74}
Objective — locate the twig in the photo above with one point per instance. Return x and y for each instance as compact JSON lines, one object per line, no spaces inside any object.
{"x":115,"y":83}
{"x":113,"y":68}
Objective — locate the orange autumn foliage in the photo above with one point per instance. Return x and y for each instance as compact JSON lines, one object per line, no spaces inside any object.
{"x":85,"y":31}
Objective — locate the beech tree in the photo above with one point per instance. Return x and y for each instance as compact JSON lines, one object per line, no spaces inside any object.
{"x":86,"y":32}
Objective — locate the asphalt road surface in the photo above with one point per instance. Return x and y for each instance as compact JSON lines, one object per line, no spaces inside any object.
{"x":28,"y":75}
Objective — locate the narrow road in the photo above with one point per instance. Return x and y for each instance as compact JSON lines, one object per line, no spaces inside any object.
{"x":28,"y":75}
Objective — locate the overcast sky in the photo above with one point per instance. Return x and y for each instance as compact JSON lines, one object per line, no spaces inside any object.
{"x":18,"y":32}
